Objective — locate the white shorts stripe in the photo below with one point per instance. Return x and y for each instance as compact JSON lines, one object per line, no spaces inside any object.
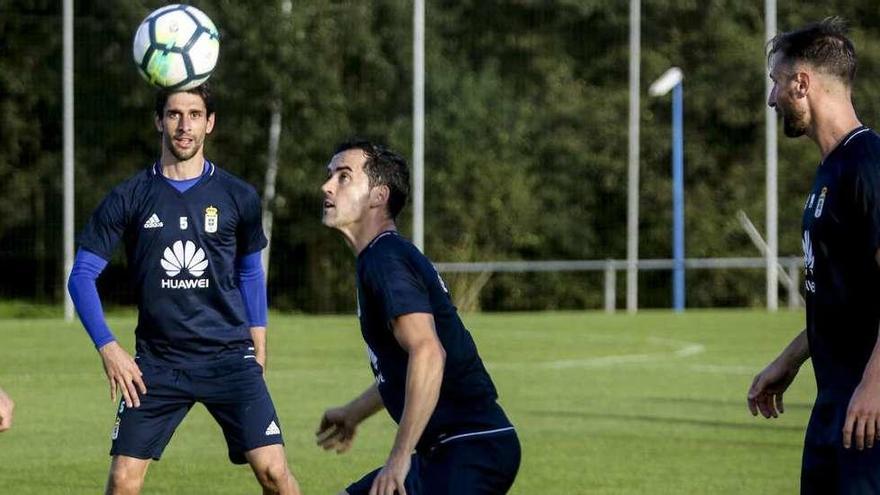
{"x":474,"y":434}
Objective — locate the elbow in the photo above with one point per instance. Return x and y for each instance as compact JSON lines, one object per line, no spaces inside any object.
{"x":439,"y":355}
{"x":72,"y":281}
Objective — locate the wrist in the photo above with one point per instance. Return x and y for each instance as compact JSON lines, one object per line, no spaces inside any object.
{"x":790,"y":362}
{"x":398,"y":455}
{"x":107,"y":346}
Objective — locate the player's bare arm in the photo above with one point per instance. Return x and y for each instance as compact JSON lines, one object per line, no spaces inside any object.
{"x":339,"y":424}
{"x":863,"y":414}
{"x":123,"y":374}
{"x":765,"y":394}
{"x":414,"y":332}
{"x":258,"y":335}
{"x":6,"y":409}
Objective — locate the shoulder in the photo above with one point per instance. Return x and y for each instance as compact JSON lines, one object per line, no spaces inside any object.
{"x":389,"y":250}
{"x":862,"y":152}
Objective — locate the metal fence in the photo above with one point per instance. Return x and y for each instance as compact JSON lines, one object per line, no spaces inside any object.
{"x":789,"y":270}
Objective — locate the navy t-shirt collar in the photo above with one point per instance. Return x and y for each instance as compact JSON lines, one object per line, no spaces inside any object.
{"x":376,"y":239}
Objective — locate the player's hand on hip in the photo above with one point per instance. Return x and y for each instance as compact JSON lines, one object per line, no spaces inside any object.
{"x":862,"y":417}
{"x":6,"y":409}
{"x":336,"y":431}
{"x":123,"y":374}
{"x":391,"y":479}
{"x":765,"y":394}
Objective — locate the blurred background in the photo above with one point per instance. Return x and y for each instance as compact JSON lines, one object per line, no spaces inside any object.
{"x":526,"y":132}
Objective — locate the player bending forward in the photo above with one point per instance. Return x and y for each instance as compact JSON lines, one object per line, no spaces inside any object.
{"x":428,"y":373}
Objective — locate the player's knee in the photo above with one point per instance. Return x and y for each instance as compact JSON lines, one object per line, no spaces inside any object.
{"x":274,"y":475}
{"x":124,"y":482}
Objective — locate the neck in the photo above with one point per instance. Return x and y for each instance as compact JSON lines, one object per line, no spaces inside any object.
{"x":182,"y":169}
{"x":832,"y":124}
{"x":360,"y":236}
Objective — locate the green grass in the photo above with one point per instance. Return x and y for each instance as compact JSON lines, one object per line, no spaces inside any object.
{"x":653,"y":403}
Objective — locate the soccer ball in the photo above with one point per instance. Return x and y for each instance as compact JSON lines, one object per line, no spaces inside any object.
{"x":176,"y":47}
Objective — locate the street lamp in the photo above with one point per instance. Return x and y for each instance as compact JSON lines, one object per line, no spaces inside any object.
{"x":672,"y":80}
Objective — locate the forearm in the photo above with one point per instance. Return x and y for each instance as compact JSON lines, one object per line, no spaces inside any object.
{"x":258,"y":335}
{"x":365,"y":405}
{"x":83,"y":291}
{"x":872,"y":370}
{"x":252,"y":287}
{"x":796,"y":352}
{"x":423,"y":379}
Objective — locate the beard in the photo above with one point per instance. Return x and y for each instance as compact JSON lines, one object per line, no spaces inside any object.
{"x":794,"y":122}
{"x":182,"y":155}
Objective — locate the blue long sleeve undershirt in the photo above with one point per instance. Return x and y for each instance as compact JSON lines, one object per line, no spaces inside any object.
{"x":83,"y":289}
{"x":84,"y":292}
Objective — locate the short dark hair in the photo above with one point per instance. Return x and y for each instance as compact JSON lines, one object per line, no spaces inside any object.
{"x":383,"y":167}
{"x":824,"y":45}
{"x":202,"y":90}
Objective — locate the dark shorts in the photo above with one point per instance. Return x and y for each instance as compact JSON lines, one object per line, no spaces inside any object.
{"x":234,"y":392}
{"x":828,"y":468}
{"x":477,"y":465}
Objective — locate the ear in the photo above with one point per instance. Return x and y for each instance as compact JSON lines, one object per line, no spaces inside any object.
{"x":802,"y":84}
{"x":158,"y":122}
{"x":210,"y":123}
{"x":379,"y":196}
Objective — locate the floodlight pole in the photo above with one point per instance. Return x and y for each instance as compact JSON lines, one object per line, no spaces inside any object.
{"x":419,"y":124}
{"x":67,"y":81}
{"x":632,"y":195}
{"x":678,"y":198}
{"x":672,"y":80}
{"x":771,"y":173}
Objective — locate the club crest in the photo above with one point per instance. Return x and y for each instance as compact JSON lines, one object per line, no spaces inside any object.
{"x":212,"y":219}
{"x":820,"y":203}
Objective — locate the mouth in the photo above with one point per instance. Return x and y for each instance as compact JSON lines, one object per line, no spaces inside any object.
{"x":183,"y":141}
{"x":328,"y":204}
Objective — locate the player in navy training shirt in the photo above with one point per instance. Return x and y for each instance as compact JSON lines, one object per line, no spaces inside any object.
{"x":812,"y":70}
{"x":192,"y":235}
{"x":428,"y":374}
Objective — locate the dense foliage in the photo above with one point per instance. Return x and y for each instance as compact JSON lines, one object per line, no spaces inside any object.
{"x":526,"y":145}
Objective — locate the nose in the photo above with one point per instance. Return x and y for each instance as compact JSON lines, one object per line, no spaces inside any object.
{"x":771,"y":98}
{"x":326,"y":187}
{"x":185,"y":122}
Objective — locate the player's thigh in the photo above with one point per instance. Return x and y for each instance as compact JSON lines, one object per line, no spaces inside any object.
{"x":238,"y":399}
{"x":479,"y":466}
{"x":143,"y":432}
{"x":412,"y":483}
{"x":859,"y":471}
{"x":819,"y":470}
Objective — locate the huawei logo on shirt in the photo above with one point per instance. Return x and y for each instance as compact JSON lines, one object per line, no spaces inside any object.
{"x":184,"y":257}
{"x":809,"y":262}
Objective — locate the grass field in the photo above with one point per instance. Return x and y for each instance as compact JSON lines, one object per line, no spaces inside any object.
{"x":646,"y":404}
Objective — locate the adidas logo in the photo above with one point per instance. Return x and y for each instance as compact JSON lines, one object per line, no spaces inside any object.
{"x":153,"y":222}
{"x":273,"y":429}
{"x":187,"y":257}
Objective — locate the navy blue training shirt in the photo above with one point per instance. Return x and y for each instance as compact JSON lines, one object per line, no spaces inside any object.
{"x":393,"y":279}
{"x":181,"y":249}
{"x":841,"y":235}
